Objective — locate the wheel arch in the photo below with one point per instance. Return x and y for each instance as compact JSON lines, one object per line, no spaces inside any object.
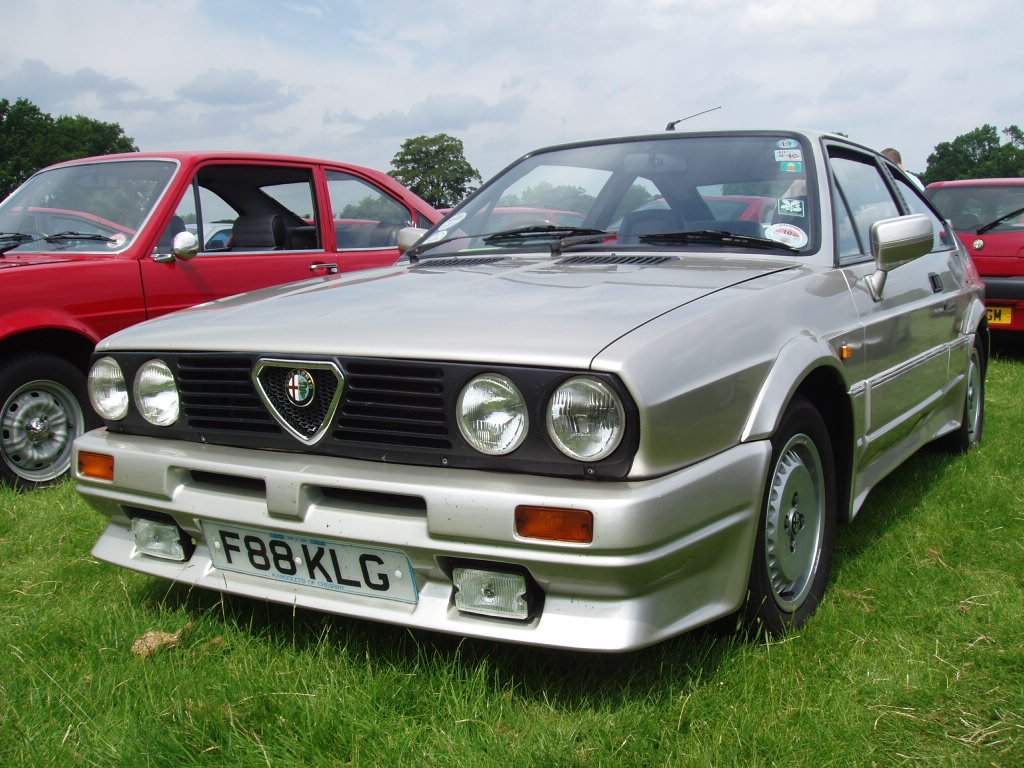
{"x":69,"y":345}
{"x":808,"y":367}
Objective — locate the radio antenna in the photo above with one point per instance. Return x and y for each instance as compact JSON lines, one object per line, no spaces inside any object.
{"x":672,"y":126}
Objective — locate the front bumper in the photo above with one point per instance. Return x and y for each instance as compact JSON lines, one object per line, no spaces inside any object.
{"x":668,"y":554}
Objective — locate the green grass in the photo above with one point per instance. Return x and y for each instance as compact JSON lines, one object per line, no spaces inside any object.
{"x":916,"y":657}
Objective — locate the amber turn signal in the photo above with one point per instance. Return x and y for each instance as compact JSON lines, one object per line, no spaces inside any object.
{"x":96,"y":465}
{"x":554,"y":524}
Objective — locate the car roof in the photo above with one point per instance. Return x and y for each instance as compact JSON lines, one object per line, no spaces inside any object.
{"x":977,"y":183}
{"x":186,"y":158}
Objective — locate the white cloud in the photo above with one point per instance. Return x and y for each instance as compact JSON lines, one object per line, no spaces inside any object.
{"x":352,"y":78}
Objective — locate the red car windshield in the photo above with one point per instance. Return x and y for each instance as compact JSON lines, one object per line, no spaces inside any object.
{"x":104,"y":202}
{"x":997,"y":207}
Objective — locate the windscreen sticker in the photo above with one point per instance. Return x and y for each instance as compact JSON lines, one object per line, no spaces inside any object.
{"x":116,"y":241}
{"x":455,"y":219}
{"x":441,"y":234}
{"x":787,"y":144}
{"x":789,"y":207}
{"x":787,"y":234}
{"x":783,"y":155}
{"x":791,"y":167}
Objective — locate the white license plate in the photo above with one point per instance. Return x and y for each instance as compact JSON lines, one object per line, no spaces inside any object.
{"x":313,"y":562}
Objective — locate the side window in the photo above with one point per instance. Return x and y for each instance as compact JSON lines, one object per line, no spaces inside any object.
{"x":915,"y":204}
{"x":846,"y":235}
{"x":250,"y":208}
{"x":218,"y":221}
{"x":861,"y":185}
{"x":364,"y":216}
{"x":185,"y":218}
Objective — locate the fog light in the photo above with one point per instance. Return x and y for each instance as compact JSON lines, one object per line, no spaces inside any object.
{"x":159,"y":539}
{"x":491,"y":593}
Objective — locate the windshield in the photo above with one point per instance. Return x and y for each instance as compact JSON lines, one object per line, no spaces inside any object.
{"x":971,"y":208}
{"x":110,"y":199}
{"x":617,"y":195}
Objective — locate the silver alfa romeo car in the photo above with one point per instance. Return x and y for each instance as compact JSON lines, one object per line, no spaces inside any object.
{"x":647,"y":405}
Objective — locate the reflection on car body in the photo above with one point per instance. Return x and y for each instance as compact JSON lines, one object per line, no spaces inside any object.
{"x":589,"y":434}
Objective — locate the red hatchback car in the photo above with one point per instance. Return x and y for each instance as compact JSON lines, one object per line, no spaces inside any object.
{"x":988,"y":216}
{"x":91,"y":246}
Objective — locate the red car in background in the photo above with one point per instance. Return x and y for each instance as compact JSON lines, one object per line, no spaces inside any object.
{"x":91,"y":246}
{"x":988,"y":216}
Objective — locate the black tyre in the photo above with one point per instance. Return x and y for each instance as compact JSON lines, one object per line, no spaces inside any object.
{"x":972,"y":424}
{"x":796,"y":535}
{"x":43,"y":407}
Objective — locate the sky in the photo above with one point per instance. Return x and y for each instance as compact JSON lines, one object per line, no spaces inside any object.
{"x":350,"y":80}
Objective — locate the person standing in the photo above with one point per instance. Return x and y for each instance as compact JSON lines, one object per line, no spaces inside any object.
{"x":894,"y":155}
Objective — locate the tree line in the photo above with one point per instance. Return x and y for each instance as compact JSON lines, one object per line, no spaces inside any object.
{"x":434,"y":167}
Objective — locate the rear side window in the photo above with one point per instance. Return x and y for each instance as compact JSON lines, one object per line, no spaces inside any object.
{"x":363,"y":215}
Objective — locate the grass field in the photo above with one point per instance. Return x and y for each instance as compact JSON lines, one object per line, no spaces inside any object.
{"x":915,"y":659}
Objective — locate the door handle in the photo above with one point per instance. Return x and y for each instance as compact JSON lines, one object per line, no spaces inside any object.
{"x":936,"y":281}
{"x":331,"y":267}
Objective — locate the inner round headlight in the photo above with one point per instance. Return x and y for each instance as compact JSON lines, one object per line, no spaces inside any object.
{"x":156,"y":394}
{"x":108,"y":391}
{"x":586,"y":419}
{"x":492,"y":414}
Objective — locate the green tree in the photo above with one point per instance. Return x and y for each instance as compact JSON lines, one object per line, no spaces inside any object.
{"x":978,"y":154}
{"x":31,"y":139}
{"x":435,"y":168}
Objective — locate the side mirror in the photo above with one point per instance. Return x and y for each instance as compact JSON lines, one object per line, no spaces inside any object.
{"x":408,"y":237}
{"x":186,"y":246}
{"x":895,"y":242}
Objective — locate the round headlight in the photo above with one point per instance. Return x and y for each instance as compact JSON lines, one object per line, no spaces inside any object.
{"x":156,"y":394}
{"x":492,"y":415}
{"x":586,"y":419}
{"x":108,"y":391}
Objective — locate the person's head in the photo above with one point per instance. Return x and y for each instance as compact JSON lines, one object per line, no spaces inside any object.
{"x":894,"y":155}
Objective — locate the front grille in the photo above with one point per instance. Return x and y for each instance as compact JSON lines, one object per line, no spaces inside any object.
{"x":370,"y":409}
{"x":400,"y":404}
{"x":217,"y":393}
{"x":303,"y":408}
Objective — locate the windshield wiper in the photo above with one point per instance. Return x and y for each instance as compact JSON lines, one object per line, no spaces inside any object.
{"x":16,"y":238}
{"x":993,"y":224}
{"x":562,"y":237}
{"x":714,"y":236}
{"x":70,"y":235}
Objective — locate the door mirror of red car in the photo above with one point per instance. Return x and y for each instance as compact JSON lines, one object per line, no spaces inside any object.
{"x":895,"y":242}
{"x":408,"y":237}
{"x":186,"y":246}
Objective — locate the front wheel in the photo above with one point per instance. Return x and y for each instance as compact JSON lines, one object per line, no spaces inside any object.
{"x":41,"y":414}
{"x":796,"y":534}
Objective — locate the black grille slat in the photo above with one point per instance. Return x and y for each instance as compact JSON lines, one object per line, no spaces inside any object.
{"x":616,"y":259}
{"x":217,"y":394}
{"x":393,"y":404}
{"x":456,"y":261}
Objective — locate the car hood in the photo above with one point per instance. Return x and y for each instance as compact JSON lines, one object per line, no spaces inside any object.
{"x":518,"y":310}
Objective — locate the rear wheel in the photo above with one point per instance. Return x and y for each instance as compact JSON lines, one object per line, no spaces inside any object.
{"x":41,"y":413}
{"x":796,"y":535}
{"x":972,"y":424}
